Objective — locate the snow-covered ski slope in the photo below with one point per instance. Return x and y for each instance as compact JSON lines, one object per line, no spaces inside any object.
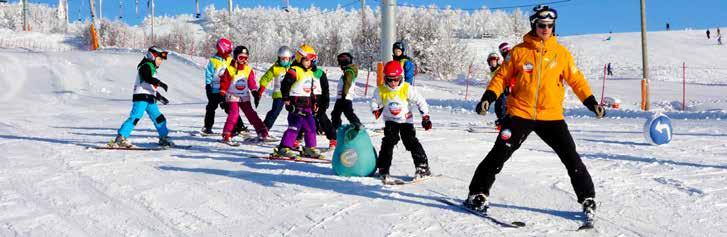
{"x":56,"y":105}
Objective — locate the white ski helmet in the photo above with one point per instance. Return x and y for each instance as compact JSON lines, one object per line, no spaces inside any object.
{"x":285,"y":51}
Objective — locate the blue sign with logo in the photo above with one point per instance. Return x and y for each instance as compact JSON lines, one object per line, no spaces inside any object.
{"x":658,"y":129}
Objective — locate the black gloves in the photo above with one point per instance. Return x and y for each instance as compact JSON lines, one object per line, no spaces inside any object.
{"x":290,"y":108}
{"x":593,"y":105}
{"x":426,"y":123}
{"x":256,"y":97}
{"x":485,"y":102}
{"x":163,"y":86}
{"x":161,"y":99}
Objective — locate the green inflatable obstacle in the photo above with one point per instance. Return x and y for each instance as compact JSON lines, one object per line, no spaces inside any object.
{"x":354,"y":154}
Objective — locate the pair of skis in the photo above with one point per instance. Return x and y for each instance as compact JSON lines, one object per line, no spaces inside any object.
{"x":145,"y":148}
{"x":588,"y":221}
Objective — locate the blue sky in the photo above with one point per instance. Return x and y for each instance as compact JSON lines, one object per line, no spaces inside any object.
{"x":575,"y":16}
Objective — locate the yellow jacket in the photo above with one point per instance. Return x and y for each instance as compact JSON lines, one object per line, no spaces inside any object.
{"x":539,"y":69}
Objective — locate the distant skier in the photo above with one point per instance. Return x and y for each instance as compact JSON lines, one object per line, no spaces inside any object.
{"x":493,"y":60}
{"x":609,"y":69}
{"x":299,"y":89}
{"x":237,"y":85}
{"x":275,"y":74}
{"x":216,"y":66}
{"x":393,"y":100}
{"x":707,"y":33}
{"x":501,"y":102}
{"x":667,"y":26}
{"x":399,"y":49}
{"x":540,"y":66}
{"x":145,"y":100}
{"x":346,"y":92}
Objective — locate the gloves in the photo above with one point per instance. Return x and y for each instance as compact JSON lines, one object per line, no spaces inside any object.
{"x":161,"y":99}
{"x":377,"y":113}
{"x":593,"y":106}
{"x":485,"y":102}
{"x":256,"y":98}
{"x":426,"y":123}
{"x":289,"y":107}
{"x":164,"y":86}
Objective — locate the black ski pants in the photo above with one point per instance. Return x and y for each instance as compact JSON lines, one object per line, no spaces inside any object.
{"x":213,"y":101}
{"x":553,"y":133}
{"x":346,"y":107}
{"x":392,"y":133}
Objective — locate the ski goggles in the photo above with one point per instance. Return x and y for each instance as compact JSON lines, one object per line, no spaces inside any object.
{"x":310,"y":56}
{"x":284,"y":59}
{"x":163,"y":54}
{"x":395,"y":79}
{"x":242,"y":57}
{"x":544,"y":26}
{"x":547,"y":14}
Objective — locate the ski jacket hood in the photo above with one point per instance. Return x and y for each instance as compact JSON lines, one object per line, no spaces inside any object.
{"x":539,"y":68}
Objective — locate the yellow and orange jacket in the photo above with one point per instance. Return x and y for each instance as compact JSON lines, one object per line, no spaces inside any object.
{"x":539,"y":70}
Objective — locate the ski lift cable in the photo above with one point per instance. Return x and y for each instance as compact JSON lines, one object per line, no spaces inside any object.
{"x":475,"y":9}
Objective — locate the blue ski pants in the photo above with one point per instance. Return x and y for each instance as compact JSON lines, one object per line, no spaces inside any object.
{"x":137,"y":111}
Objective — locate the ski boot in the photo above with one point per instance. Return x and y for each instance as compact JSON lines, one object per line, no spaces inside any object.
{"x":386,"y":179}
{"x":120,"y":142}
{"x":477,"y":202}
{"x":589,"y":211}
{"x":257,"y":140}
{"x":206,"y":132}
{"x":285,"y":152}
{"x":227,"y":139}
{"x":296,"y":145}
{"x":421,"y":173}
{"x":332,"y":145}
{"x":312,"y":152}
{"x":166,"y":142}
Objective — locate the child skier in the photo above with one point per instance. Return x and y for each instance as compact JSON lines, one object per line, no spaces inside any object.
{"x":323,"y":123}
{"x":275,"y":74}
{"x":393,"y":100}
{"x":346,"y":92}
{"x":299,"y":89}
{"x":237,"y":84}
{"x":216,"y":66}
{"x":145,"y":98}
{"x":407,"y":64}
{"x":541,"y":67}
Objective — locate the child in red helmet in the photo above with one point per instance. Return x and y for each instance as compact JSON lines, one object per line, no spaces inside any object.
{"x":393,"y":100}
{"x":215,"y":68}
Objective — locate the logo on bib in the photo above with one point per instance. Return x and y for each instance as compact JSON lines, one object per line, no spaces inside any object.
{"x":395,"y":108}
{"x":528,"y":67}
{"x":240,"y":85}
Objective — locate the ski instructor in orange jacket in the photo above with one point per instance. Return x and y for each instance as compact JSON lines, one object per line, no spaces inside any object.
{"x":541,"y":68}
